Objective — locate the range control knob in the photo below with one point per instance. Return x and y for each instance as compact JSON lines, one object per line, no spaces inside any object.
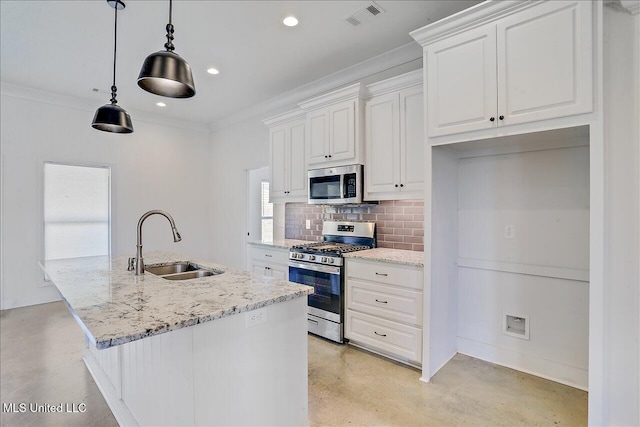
{"x":312,"y":257}
{"x":300,"y":256}
{"x":330,"y":260}
{"x":324,"y":259}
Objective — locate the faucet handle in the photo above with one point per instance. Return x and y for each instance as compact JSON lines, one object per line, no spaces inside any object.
{"x":131,"y":264}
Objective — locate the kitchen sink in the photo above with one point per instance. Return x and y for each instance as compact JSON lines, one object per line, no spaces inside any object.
{"x":180,"y":271}
{"x":178,"y":267}
{"x":191,"y":275}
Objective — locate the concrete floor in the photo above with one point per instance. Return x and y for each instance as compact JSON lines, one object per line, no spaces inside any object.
{"x":41,"y":361}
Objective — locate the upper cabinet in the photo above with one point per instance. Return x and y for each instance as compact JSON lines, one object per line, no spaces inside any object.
{"x":287,"y":157}
{"x":508,"y":63}
{"x":333,"y":128}
{"x":394,"y":139}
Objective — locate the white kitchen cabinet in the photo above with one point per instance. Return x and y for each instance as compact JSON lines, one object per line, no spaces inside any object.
{"x":332,"y":122}
{"x":531,"y":65}
{"x":270,"y":262}
{"x":394,"y":139}
{"x":384,"y":308}
{"x":288,"y":172}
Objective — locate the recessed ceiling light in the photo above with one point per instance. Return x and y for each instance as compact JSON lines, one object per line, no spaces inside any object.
{"x":290,"y":21}
{"x":213,"y":71}
{"x":161,"y":104}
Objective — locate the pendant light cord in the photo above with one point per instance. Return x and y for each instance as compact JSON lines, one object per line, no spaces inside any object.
{"x":169,"y":44}
{"x":114,"y":89}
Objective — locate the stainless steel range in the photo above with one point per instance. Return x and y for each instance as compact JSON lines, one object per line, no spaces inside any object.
{"x":321,"y":265}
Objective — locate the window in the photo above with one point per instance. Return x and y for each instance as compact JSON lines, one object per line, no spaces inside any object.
{"x":266,"y":212}
{"x":76,"y":211}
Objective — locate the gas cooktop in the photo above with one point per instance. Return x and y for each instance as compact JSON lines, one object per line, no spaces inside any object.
{"x":338,"y":237}
{"x":329,"y":248}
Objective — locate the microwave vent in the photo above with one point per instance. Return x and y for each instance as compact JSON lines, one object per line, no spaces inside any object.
{"x":365,"y":14}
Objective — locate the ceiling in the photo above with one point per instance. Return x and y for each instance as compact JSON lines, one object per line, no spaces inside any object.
{"x":66,"y":47}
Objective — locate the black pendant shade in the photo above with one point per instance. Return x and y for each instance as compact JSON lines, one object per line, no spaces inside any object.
{"x":165,"y":73}
{"x":112,"y":117}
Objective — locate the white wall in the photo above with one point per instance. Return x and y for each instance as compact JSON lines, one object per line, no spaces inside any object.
{"x":540,"y":273}
{"x":156,"y":167}
{"x":233,"y":150}
{"x":621,"y":394}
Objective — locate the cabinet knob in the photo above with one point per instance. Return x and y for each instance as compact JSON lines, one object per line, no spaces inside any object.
{"x":492,"y":119}
{"x":401,"y":185}
{"x":396,"y":185}
{"x":501,"y":117}
{"x":326,"y":157}
{"x":329,"y":155}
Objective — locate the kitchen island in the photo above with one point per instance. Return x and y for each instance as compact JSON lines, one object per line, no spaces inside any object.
{"x":226,"y":349}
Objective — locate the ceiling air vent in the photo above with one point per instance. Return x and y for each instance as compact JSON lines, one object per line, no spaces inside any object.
{"x":365,"y":14}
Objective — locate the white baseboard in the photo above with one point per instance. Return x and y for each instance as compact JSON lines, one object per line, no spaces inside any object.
{"x":564,"y":374}
{"x":117,"y":406}
{"x":47,"y":297}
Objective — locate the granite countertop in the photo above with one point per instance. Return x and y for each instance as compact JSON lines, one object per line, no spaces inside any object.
{"x":393,"y":256}
{"x":279,"y":243}
{"x":114,"y":306}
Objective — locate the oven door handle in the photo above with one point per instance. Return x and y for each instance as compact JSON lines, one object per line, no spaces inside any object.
{"x":315,"y":267}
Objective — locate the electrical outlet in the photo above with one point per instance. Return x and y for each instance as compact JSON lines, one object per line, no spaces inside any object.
{"x":255,"y":317}
{"x":308,"y":224}
{"x":509,"y":231}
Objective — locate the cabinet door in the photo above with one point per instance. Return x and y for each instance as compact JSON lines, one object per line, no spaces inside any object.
{"x":297,"y":162}
{"x":412,"y":140}
{"x":318,"y":135}
{"x":260,"y":268}
{"x":461,"y":82}
{"x":279,"y":172}
{"x":342,"y":128}
{"x":544,"y":62}
{"x":279,"y":271}
{"x":382,"y":139}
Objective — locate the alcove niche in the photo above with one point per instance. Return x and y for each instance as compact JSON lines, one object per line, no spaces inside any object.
{"x":509,"y":276}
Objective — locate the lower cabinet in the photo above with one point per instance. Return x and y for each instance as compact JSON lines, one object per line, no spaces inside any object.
{"x":270,"y":262}
{"x":384,"y":309}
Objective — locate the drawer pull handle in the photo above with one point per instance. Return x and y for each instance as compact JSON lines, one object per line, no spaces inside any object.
{"x":380,"y":335}
{"x":312,"y":321}
{"x":268,"y":256}
{"x":381,"y":274}
{"x":381,"y":302}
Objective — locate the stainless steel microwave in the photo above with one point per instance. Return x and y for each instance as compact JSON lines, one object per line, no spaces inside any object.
{"x":336,"y":185}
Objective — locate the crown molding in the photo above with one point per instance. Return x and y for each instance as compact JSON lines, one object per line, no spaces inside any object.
{"x":353,"y":91}
{"x":288,"y":100}
{"x":467,"y":19}
{"x":90,"y":105}
{"x":403,"y":81}
{"x":632,"y":6}
{"x":285,"y":117}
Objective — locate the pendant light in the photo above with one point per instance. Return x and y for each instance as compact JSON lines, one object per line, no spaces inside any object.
{"x":165,"y":73}
{"x":112,"y":117}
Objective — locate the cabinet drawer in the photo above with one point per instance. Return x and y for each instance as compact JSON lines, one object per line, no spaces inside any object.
{"x":396,"y":304}
{"x":278,"y":256}
{"x":393,"y":338}
{"x":398,"y":275}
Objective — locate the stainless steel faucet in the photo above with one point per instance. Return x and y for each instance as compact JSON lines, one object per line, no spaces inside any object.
{"x":176,"y":238}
